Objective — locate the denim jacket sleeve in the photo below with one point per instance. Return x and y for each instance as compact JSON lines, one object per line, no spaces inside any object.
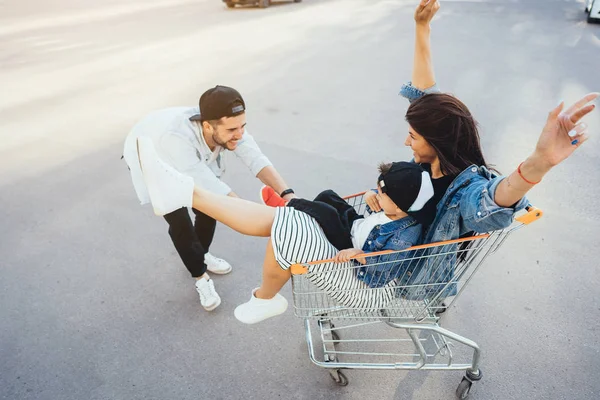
{"x":401,"y":240}
{"x":479,"y":211}
{"x":380,"y":270}
{"x":412,"y":93}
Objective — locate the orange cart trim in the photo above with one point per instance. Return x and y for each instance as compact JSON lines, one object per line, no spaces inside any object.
{"x":301,"y":269}
{"x":354,"y":195}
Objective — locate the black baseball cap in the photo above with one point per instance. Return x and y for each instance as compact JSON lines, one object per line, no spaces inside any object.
{"x":219,"y":102}
{"x":408,"y":185}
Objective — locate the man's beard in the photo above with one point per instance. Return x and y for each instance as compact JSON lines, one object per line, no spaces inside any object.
{"x":218,"y":141}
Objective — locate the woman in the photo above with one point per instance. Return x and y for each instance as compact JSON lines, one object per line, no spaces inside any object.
{"x":443,"y":135}
{"x":445,"y":141}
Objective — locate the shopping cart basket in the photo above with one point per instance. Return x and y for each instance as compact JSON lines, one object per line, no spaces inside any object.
{"x":421,"y":282}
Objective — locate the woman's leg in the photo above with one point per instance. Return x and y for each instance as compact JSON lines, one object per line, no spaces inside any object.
{"x":170,"y":190}
{"x":241,"y":215}
{"x":274,"y":277}
{"x":249,"y":219}
{"x":265,"y":301}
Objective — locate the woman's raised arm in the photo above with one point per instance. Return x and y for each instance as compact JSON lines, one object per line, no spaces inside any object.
{"x":422,"y":75}
{"x":563,"y":134}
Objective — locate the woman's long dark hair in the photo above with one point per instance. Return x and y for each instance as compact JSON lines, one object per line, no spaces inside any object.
{"x":448,"y":126}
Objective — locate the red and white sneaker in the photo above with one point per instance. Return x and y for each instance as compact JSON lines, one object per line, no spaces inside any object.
{"x":270,"y":198}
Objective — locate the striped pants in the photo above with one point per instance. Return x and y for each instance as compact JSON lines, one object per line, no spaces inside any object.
{"x":297,"y":238}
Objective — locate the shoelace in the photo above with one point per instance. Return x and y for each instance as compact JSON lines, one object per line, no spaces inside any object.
{"x":207,"y":291}
{"x":216,"y":261}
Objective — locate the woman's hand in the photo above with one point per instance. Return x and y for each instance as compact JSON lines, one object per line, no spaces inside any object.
{"x":561,"y":136}
{"x":425,"y":11}
{"x":346,"y":255}
{"x":371,"y":200}
{"x":563,"y":133}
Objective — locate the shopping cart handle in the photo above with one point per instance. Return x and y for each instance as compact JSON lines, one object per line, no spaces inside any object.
{"x":532,"y":215}
{"x":301,"y":269}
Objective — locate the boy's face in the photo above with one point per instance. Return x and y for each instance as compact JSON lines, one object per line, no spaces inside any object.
{"x":387,"y":205}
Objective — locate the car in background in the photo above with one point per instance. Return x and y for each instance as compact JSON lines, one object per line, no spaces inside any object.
{"x":592,"y":9}
{"x":260,"y":3}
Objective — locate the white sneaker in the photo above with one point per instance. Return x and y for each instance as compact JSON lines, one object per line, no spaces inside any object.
{"x":216,"y":265}
{"x":257,"y":310}
{"x":209,"y":298}
{"x":169,"y":190}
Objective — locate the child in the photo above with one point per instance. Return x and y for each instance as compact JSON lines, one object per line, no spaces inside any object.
{"x":403,"y":188}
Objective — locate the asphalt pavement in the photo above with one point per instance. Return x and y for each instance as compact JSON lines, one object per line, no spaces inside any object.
{"x":94,"y":302}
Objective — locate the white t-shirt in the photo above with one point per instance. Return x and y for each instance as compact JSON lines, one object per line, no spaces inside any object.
{"x":179,"y":142}
{"x":363,"y":226}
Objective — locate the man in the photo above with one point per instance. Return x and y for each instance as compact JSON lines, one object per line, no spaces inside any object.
{"x":192,"y":140}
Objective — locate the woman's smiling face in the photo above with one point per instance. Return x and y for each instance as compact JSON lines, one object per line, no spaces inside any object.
{"x":423,"y":152}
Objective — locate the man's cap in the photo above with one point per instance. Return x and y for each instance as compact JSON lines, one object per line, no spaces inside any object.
{"x":219,"y":102}
{"x":408,"y":185}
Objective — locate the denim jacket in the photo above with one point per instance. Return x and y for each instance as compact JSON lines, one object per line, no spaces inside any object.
{"x":396,"y":235}
{"x":468,"y":206}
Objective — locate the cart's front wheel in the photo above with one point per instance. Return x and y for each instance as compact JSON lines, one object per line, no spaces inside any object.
{"x":464,"y":388}
{"x":442,"y":308}
{"x":264,"y":3}
{"x":339,"y":377}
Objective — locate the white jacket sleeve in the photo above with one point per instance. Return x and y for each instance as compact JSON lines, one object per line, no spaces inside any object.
{"x":182,"y":155}
{"x":251,"y":155}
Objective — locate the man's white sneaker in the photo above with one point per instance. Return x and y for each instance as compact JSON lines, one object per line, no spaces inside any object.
{"x":209,"y":298}
{"x":216,"y":265}
{"x":169,"y":190}
{"x":257,"y":310}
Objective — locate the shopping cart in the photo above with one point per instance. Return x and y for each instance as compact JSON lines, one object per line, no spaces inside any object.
{"x":348,"y":325}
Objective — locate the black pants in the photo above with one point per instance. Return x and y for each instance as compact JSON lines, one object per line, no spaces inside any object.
{"x":191,"y":240}
{"x":333,"y":214}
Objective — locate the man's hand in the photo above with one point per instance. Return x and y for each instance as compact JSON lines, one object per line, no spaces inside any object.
{"x":290,"y":196}
{"x":371,"y":200}
{"x":425,"y":11}
{"x":346,"y":255}
{"x":270,"y":177}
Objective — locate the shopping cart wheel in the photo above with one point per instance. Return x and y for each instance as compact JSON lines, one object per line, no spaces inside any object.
{"x":339,"y":377}
{"x":464,"y":388}
{"x":441,"y":309}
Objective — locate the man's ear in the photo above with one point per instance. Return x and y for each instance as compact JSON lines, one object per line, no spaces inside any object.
{"x":206,"y":126}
